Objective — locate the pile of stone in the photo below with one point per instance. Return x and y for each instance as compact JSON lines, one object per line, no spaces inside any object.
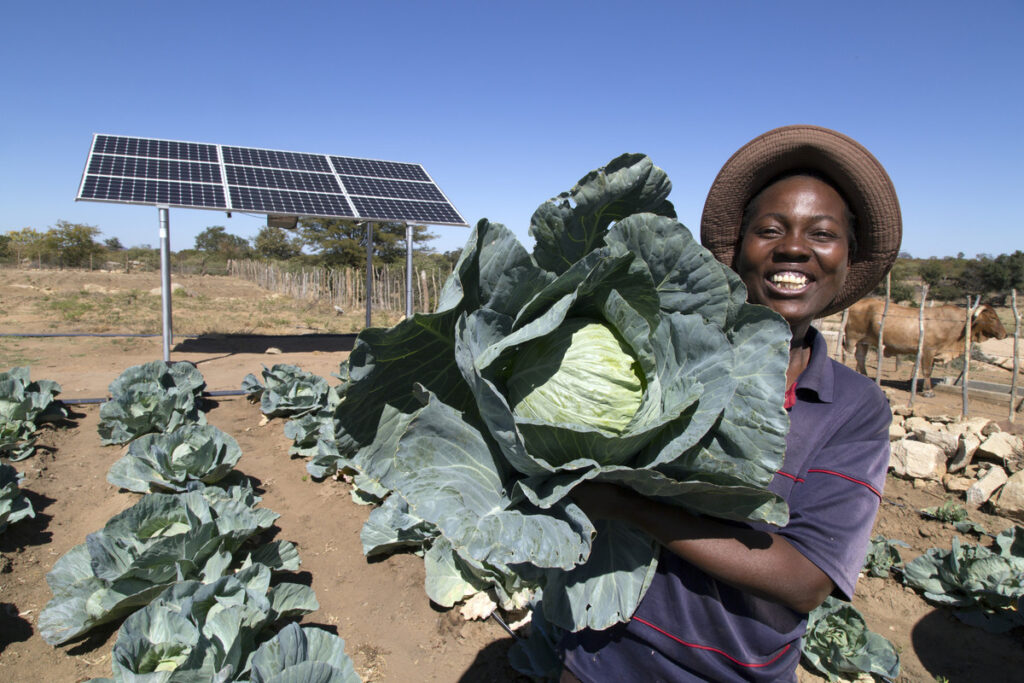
{"x":970,"y":457}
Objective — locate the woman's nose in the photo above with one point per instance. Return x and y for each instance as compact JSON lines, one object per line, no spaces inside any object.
{"x":791,"y":247}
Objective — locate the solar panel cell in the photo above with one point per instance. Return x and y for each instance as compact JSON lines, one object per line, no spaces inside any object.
{"x":157,"y":149}
{"x":404,"y":210}
{"x":144,"y":191}
{"x":289,"y":203}
{"x":379,"y":169}
{"x":283,"y":180}
{"x":162,"y":169}
{"x":269,"y":158}
{"x":393,"y":189}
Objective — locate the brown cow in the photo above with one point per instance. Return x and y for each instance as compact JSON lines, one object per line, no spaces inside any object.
{"x":944,"y":328}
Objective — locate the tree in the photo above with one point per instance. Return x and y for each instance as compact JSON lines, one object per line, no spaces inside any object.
{"x":27,"y":243}
{"x":113,"y":244}
{"x":5,"y":245}
{"x":217,"y":240}
{"x":276,"y":243}
{"x":73,"y":242}
{"x":343,"y":242}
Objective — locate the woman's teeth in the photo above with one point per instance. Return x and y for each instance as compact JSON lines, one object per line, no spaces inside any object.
{"x":789,"y":280}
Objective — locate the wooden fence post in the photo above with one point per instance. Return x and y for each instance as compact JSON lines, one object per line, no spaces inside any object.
{"x":964,"y":410}
{"x":1016,"y":356}
{"x":920,"y":346}
{"x":881,"y":330}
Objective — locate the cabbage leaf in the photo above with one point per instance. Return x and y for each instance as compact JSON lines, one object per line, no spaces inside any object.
{"x":427,"y":410}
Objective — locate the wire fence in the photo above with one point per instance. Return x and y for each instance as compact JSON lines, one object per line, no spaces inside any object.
{"x":344,"y":288}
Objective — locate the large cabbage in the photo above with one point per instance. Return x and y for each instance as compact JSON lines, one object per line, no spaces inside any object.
{"x":478,"y":416}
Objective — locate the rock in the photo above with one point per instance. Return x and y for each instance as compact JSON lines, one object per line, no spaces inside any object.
{"x":273,"y":350}
{"x":942,"y":419}
{"x":920,"y":484}
{"x":955,"y":484}
{"x":1010,"y":502}
{"x":903,"y":411}
{"x":938,"y":437}
{"x":896,"y":431}
{"x":175,"y":287}
{"x":967,"y":445}
{"x":912,"y":424}
{"x":983,"y":489}
{"x":1000,"y":447}
{"x":917,"y":460}
{"x":975,"y":425}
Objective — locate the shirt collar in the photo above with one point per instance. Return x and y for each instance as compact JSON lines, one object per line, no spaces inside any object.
{"x":818,"y":376}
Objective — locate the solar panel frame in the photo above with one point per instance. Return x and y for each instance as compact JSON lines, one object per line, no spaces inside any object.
{"x":197,"y":175}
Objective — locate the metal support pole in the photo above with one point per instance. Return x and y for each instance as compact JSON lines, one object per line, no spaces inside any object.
{"x":369,"y":274}
{"x":408,"y":270}
{"x":165,"y":279}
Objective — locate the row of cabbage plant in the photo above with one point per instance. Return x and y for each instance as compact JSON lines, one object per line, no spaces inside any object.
{"x":186,"y":563}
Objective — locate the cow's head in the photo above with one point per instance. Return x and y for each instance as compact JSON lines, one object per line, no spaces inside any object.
{"x":986,"y":325}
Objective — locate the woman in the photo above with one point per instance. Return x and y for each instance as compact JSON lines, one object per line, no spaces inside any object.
{"x":810,"y":221}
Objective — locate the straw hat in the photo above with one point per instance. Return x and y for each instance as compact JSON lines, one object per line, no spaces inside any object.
{"x":859,"y":177}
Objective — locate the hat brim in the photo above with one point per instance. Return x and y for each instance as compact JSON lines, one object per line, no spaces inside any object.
{"x":860,"y":178}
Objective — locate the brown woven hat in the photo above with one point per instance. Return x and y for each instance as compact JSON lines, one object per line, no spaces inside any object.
{"x":859,"y":177}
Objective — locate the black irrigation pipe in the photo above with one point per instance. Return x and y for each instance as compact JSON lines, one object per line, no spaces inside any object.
{"x":206,"y":394}
{"x":75,"y":334}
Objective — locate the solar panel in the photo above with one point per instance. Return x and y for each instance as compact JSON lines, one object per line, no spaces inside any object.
{"x":207,"y":176}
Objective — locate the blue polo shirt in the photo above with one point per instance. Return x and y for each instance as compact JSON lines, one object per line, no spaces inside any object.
{"x":690,"y":627}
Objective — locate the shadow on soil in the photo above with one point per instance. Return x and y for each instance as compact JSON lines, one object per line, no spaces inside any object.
{"x":31,"y":530}
{"x":13,"y":628}
{"x":946,"y":647}
{"x":491,"y":664}
{"x":256,"y":343}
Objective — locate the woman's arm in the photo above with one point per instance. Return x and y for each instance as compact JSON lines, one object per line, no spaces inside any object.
{"x":758,"y":562}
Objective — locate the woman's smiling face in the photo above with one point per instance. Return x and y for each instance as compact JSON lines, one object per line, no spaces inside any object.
{"x":795,"y":251}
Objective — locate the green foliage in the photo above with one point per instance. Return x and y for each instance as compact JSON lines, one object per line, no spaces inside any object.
{"x":27,"y":243}
{"x":343,"y":242}
{"x":153,"y":397}
{"x":163,"y":539}
{"x":217,"y":240}
{"x":13,"y":505}
{"x":985,"y":585}
{"x":206,"y":631}
{"x":838,"y":644}
{"x":953,"y":513}
{"x":276,"y":243}
{"x":24,"y":405}
{"x":883,"y":556}
{"x":173,"y":461}
{"x":287,"y":390}
{"x":113,"y":244}
{"x":74,"y":243}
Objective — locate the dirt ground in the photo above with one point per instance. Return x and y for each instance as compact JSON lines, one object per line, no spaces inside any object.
{"x":391,"y":630}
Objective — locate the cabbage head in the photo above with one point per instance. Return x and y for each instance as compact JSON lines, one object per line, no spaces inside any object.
{"x":581,"y":373}
{"x":617,"y":350}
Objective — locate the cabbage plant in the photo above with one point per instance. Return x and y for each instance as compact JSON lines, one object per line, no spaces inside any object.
{"x":152,"y":397}
{"x":170,"y":462}
{"x":162,"y":539}
{"x":839,"y":645}
{"x":300,"y":654}
{"x":24,"y":405}
{"x":286,"y":390}
{"x":196,"y":631}
{"x":14,"y":506}
{"x":618,"y":350}
{"x":985,"y":586}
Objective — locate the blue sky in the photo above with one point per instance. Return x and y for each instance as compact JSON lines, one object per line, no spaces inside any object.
{"x":507,"y":104}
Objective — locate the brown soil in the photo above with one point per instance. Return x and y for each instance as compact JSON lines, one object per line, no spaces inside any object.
{"x":391,"y":630}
